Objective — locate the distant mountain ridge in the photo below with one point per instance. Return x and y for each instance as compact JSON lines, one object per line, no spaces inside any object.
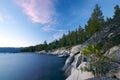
{"x":9,"y":49}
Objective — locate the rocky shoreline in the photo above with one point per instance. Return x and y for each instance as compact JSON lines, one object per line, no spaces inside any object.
{"x":75,"y":61}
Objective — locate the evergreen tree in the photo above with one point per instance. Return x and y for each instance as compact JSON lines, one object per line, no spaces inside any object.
{"x":45,"y":46}
{"x":117,"y":12}
{"x":80,"y":35}
{"x":96,"y":21}
{"x":69,"y":38}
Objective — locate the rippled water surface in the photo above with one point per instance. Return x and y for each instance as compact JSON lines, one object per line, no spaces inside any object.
{"x":30,"y":66}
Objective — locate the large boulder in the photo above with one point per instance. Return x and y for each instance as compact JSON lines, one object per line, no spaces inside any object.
{"x":67,"y":67}
{"x":114,"y":73}
{"x":68,"y":62}
{"x":77,"y":49}
{"x":77,"y":74}
{"x":74,"y":60}
{"x":114,"y":53}
{"x":77,"y":61}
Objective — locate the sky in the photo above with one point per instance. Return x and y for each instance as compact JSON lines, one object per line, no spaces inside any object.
{"x":29,"y":22}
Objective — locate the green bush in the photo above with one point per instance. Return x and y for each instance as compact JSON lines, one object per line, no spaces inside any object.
{"x":98,"y":63}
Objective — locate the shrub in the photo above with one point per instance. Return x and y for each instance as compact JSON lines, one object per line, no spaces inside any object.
{"x":98,"y":63}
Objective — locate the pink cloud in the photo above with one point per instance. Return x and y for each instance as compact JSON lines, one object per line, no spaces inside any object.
{"x":39,"y":11}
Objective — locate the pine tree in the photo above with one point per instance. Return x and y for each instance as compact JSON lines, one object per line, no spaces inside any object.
{"x":69,"y":38}
{"x":117,"y":12}
{"x":79,"y":34}
{"x":96,"y":21}
{"x":45,"y":45}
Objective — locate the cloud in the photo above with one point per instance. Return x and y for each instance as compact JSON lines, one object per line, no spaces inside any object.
{"x":50,"y":26}
{"x":59,"y":34}
{"x":47,"y":28}
{"x":39,"y":11}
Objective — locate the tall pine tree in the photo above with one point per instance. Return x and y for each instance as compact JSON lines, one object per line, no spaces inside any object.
{"x":96,"y":21}
{"x":117,"y":13}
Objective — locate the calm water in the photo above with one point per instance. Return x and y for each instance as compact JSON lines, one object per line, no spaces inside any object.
{"x":30,"y":66}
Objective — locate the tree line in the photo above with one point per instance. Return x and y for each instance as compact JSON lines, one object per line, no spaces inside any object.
{"x":81,"y":34}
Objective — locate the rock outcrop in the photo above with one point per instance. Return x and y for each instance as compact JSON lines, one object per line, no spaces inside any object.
{"x":75,"y":60}
{"x":41,"y":52}
{"x":114,"y":53}
{"x":77,"y":74}
{"x":61,"y":52}
{"x":102,"y":78}
{"x":114,"y":73}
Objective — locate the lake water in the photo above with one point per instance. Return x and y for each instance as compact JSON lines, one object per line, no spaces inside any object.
{"x":30,"y":66}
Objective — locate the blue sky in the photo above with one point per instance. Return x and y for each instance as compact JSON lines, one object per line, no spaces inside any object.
{"x":30,"y":22}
